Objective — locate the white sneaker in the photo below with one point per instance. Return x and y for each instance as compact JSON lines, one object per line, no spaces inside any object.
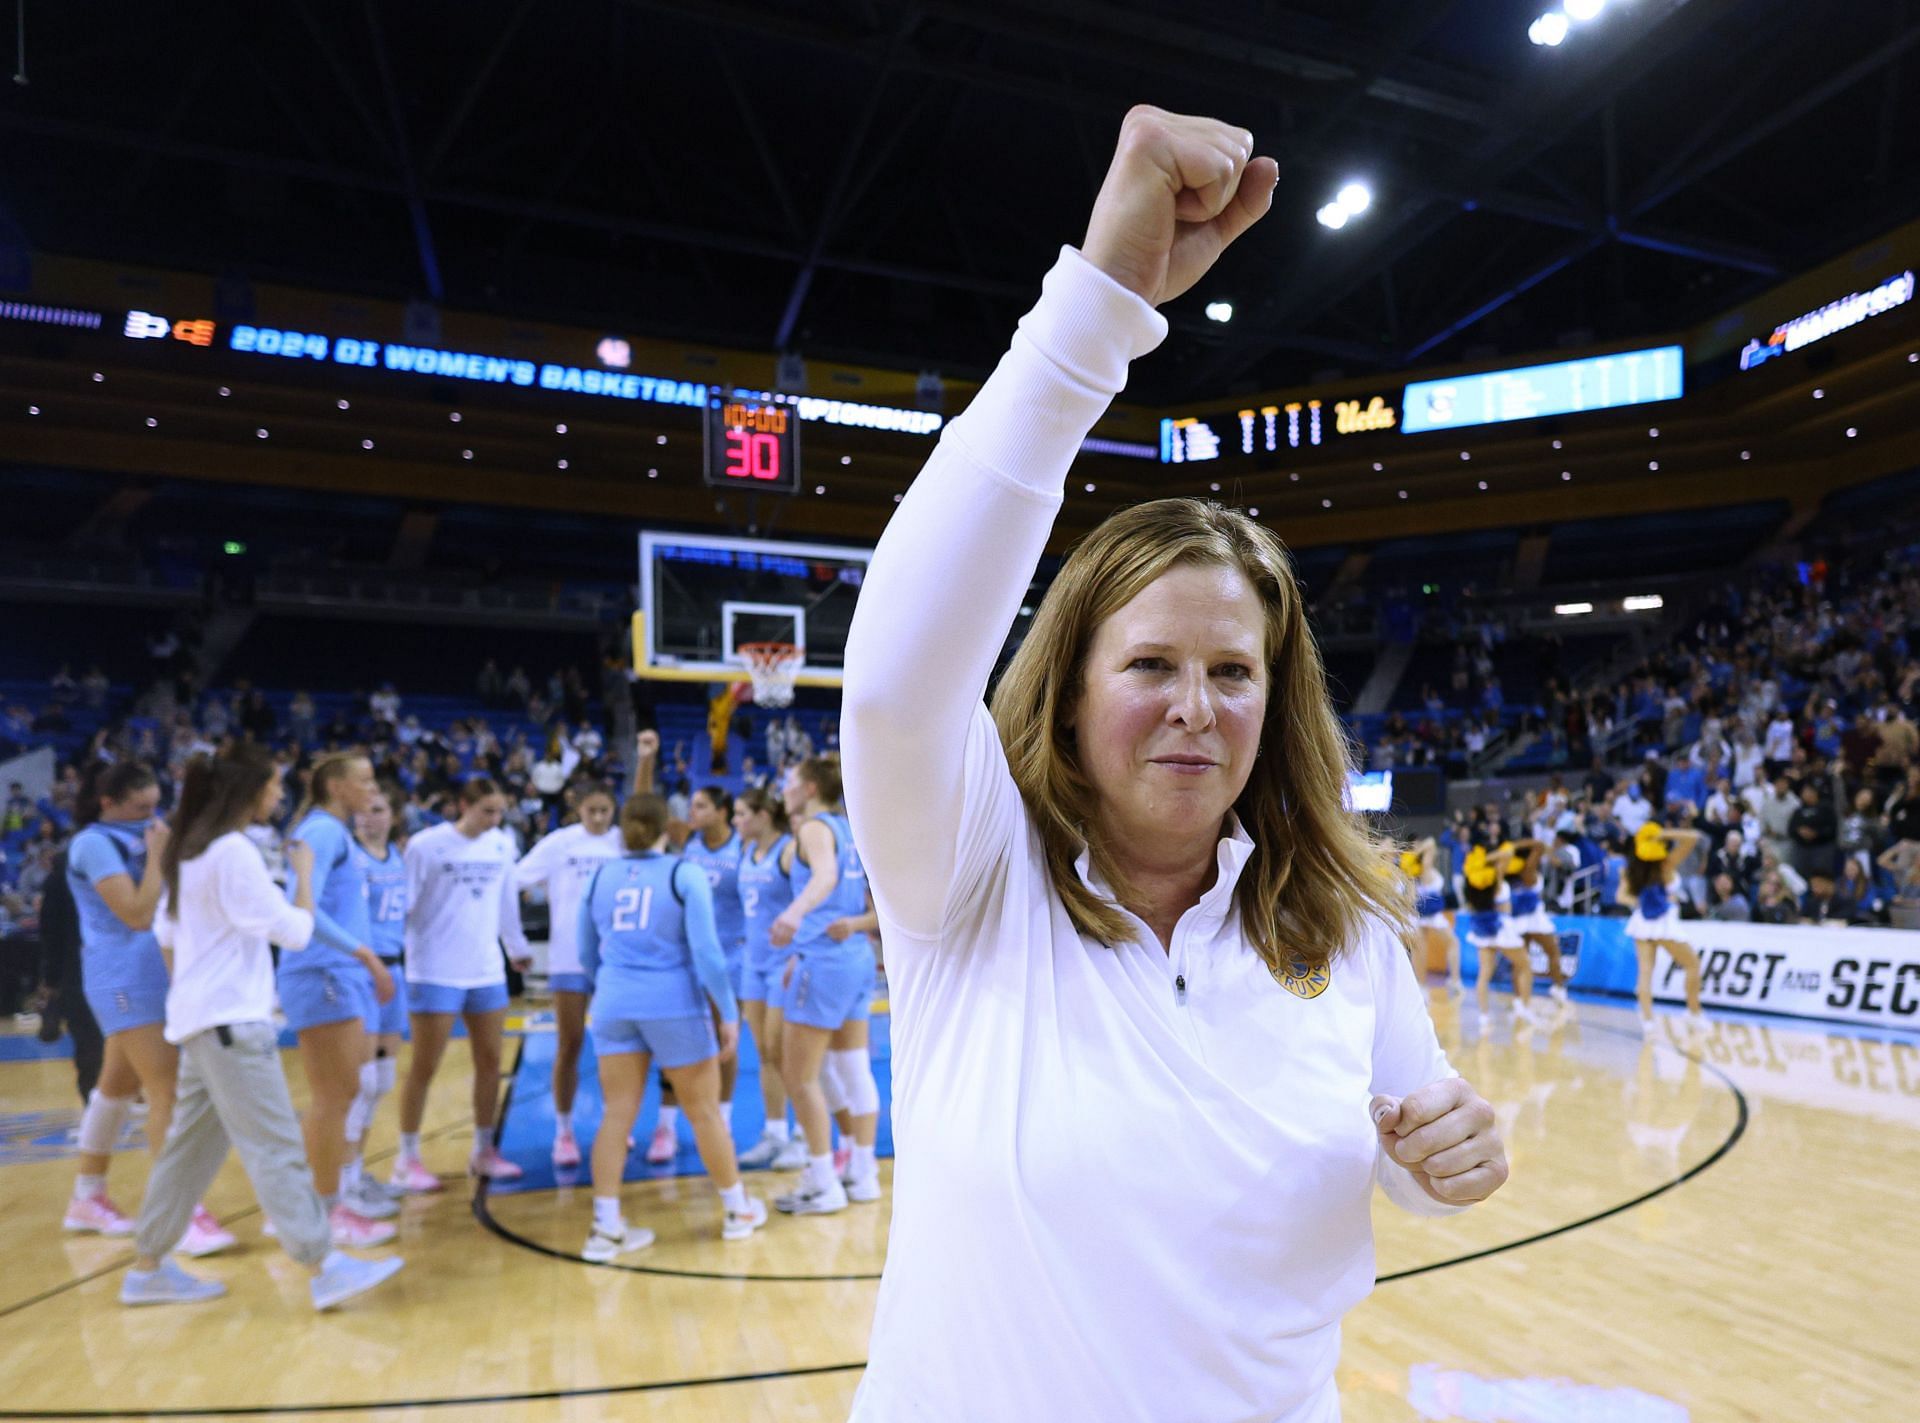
{"x":1559,"y":994}
{"x":1696,"y":1022}
{"x":862,"y":1191}
{"x":740,"y":1226}
{"x":1521,"y":1012}
{"x":370,"y":1200}
{"x":761,"y":1154}
{"x":601,"y":1248}
{"x":813,"y":1200}
{"x":793,"y":1156}
{"x":1646,"y":1027}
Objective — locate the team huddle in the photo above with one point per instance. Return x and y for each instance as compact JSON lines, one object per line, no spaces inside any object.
{"x":663,"y":936}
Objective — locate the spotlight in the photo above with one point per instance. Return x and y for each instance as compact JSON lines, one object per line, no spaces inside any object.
{"x":1326,"y":503}
{"x":846,"y":459}
{"x":559,"y":429}
{"x":819,"y":489}
{"x":1334,"y":216}
{"x":1090,"y":489}
{"x":1584,"y":10}
{"x":1852,"y":433}
{"x":562,"y":464}
{"x":1221,"y":311}
{"x":1483,"y":486}
{"x":343,"y":405}
{"x":454,"y":416}
{"x":1549,"y":30}
{"x":260,"y":434}
{"x":366,"y":444}
{"x":653,"y":474}
{"x":1819,"y":394}
{"x":1356,"y":198}
{"x":1215,"y":486}
{"x":153,"y":424}
{"x":1566,"y":476}
{"x":466,"y":454}
{"x":1253,"y":513}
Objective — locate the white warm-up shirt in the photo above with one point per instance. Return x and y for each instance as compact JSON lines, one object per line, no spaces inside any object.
{"x":462,"y":903}
{"x":228,"y":912}
{"x":1112,"y":1201}
{"x":564,"y":862}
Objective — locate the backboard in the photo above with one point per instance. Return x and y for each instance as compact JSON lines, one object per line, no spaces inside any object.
{"x":703,"y":595}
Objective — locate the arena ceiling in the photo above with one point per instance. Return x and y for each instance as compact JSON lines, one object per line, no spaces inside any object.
{"x":885,"y":183}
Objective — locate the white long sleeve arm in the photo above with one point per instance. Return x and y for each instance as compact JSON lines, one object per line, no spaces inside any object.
{"x":949,"y":574}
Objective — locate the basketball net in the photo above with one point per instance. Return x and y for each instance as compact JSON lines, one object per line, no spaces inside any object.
{"x":773,"y":666}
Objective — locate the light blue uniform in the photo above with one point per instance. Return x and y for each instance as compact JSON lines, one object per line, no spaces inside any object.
{"x":833,"y":983}
{"x":765,"y":891}
{"x":325,"y":983}
{"x":647,"y":941}
{"x":121,"y":971}
{"x":387,"y":915}
{"x":722,"y":867}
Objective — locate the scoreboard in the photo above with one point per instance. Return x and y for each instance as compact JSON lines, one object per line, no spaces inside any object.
{"x":752,"y":442}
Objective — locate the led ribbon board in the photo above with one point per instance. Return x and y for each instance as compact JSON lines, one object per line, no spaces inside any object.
{"x":1531,"y":392}
{"x":1834,"y":316}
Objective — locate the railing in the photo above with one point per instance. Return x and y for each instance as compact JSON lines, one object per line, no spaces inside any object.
{"x":361,"y":592}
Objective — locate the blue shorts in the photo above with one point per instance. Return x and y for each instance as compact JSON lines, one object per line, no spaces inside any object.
{"x":438,"y":998}
{"x":121,"y":1010}
{"x":315,"y":997}
{"x":571,"y":983}
{"x":393,"y":1013}
{"x":672,"y":1042}
{"x":829,"y":991}
{"x":760,"y":983}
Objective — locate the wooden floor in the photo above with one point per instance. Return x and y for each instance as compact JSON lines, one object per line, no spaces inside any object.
{"x":1723,"y":1236}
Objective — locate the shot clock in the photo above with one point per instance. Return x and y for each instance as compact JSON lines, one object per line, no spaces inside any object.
{"x":752,"y":443}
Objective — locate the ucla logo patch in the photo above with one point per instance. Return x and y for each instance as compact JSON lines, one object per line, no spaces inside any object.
{"x":1304,"y":980}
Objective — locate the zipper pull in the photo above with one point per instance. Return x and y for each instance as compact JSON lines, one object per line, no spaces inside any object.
{"x":1180,"y":988}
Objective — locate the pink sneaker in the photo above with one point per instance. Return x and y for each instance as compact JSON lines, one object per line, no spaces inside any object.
{"x":492,"y":1165}
{"x":205,"y":1235}
{"x":663,"y":1148}
{"x":356,"y":1232}
{"x":412,"y":1177}
{"x":96,"y":1215}
{"x":566,"y":1151}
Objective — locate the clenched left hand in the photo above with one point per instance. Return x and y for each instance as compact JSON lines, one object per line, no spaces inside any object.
{"x":1446,"y":1136}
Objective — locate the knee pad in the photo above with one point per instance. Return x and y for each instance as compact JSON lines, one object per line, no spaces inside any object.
{"x":854,"y":1069}
{"x":101,"y":1122}
{"x":830,"y":1085}
{"x":386,"y":1072}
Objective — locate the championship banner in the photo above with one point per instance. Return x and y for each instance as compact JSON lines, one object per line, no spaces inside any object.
{"x":1841,"y":975}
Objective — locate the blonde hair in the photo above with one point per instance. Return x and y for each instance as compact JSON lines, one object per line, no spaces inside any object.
{"x":329,"y":768}
{"x":1314,"y":875}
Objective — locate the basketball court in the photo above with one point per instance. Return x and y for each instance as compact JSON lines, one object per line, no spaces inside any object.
{"x":1688,"y":1234}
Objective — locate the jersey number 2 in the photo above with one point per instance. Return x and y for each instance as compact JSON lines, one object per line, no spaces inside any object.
{"x":632,"y":908}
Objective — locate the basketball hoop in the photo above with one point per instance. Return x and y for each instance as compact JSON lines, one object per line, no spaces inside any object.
{"x":773,"y":667}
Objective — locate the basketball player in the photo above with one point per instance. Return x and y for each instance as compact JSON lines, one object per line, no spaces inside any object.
{"x":1432,"y":927}
{"x":647,"y":940}
{"x":829,"y":997}
{"x":1491,"y":932}
{"x":332,"y":991}
{"x":113,"y":869}
{"x":385,"y":869}
{"x":1655,"y":923}
{"x":564,"y":861}
{"x":714,"y":846}
{"x":461,"y":906}
{"x":766,"y":889}
{"x":1530,"y":918}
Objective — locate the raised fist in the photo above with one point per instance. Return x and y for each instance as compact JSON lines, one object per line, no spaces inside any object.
{"x":1180,"y":189}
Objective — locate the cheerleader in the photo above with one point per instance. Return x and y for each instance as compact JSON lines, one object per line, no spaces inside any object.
{"x":714,"y":846}
{"x":333,"y":992}
{"x":564,"y":862}
{"x":386,"y":875}
{"x":828,"y":997}
{"x":1432,"y":928}
{"x":766,"y":864}
{"x":1657,"y":856}
{"x":660,"y":993}
{"x":1490,"y":931}
{"x":114,"y":871}
{"x":461,"y":906}
{"x":1530,"y":918}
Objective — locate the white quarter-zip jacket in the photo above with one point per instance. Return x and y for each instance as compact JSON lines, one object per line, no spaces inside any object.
{"x":1133,"y":1184}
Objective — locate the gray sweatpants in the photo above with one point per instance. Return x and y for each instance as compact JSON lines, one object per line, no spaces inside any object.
{"x":233,"y":1093}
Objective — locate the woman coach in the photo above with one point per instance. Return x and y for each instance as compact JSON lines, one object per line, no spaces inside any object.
{"x":1155,"y":1036}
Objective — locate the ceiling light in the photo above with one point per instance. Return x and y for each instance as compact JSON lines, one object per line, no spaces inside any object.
{"x":653,"y":474}
{"x":1654,"y":433}
{"x":454,"y":416}
{"x":1403,"y":494}
{"x":366,"y":444}
{"x":1746,"y":454}
{"x":1483,"y":485}
{"x":819,"y":489}
{"x":1584,"y":10}
{"x":1215,"y":486}
{"x":261,"y":433}
{"x":466,"y":454}
{"x":562,"y":464}
{"x":1253,"y":513}
{"x":1566,"y":476}
{"x":846,"y":459}
{"x":1221,"y":311}
{"x":97,"y":377}
{"x":343,"y":405}
{"x":1572,"y":610}
{"x":224,"y":391}
{"x":1643,"y":603}
{"x":1326,"y":503}
{"x":659,"y":439}
{"x":1654,"y":465}
{"x":1089,"y":489}
{"x":1852,"y":432}
{"x":1818,"y":394}
{"x":1356,"y":198}
{"x":1377,"y":466}
{"x":896,"y":498}
{"x":1465,"y":456}
{"x":1549,"y":29}
{"x":1293,"y":476}
{"x":559,"y":429}
{"x":35,"y":410}
{"x":153,"y":424}
{"x":1334,"y":216}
